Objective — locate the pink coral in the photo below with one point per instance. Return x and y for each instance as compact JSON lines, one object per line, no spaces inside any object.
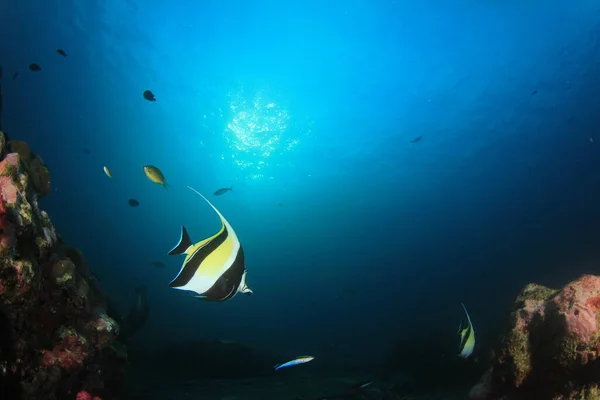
{"x":9,"y":190}
{"x":551,"y":334}
{"x":581,"y":323}
{"x":70,"y":353}
{"x":84,"y":395}
{"x":9,"y":164}
{"x":579,"y":305}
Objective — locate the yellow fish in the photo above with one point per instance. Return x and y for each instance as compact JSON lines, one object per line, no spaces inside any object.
{"x":107,"y":172}
{"x":213,"y":268}
{"x":467,"y":337}
{"x":155,"y":175}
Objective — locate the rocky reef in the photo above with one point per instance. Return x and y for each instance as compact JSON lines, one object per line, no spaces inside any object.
{"x":551,"y":349}
{"x":56,"y":340}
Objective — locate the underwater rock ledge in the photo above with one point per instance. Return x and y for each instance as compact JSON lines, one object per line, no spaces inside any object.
{"x":551,"y":349}
{"x":56,"y":339}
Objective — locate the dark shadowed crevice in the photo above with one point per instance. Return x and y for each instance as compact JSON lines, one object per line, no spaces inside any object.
{"x":10,"y":387}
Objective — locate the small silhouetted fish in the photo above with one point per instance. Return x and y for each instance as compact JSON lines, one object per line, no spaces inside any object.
{"x":417,"y":139}
{"x":61,"y":52}
{"x":534,"y":91}
{"x":87,"y":151}
{"x":133,"y":202}
{"x":148,"y":95}
{"x":34,"y":67}
{"x":157,"y":264}
{"x":15,"y":75}
{"x":223,"y":191}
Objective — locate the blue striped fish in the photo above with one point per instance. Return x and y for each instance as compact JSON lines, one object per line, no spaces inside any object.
{"x":296,"y":361}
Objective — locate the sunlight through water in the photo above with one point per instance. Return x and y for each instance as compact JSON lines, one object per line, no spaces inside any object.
{"x":259,"y":130}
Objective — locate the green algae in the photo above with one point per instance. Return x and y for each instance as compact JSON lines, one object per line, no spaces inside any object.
{"x":535,"y":292}
{"x":589,"y":392}
{"x":63,"y":272}
{"x":517,"y":347}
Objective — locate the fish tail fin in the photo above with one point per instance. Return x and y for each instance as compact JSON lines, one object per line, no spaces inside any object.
{"x":166,"y":185}
{"x":183,"y":245}
{"x":276,"y":367}
{"x":231,"y":189}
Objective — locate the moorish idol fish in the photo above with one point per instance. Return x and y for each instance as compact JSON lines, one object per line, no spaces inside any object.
{"x":467,"y":337}
{"x":213,"y":268}
{"x":295,"y":361}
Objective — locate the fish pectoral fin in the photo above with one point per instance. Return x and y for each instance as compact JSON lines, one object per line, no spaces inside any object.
{"x":246,"y":290}
{"x":183,"y":245}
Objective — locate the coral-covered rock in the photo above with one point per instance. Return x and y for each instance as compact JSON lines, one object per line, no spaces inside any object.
{"x":63,"y":346}
{"x":63,"y":272}
{"x":104,"y":329}
{"x":552,"y":346}
{"x":37,"y":173}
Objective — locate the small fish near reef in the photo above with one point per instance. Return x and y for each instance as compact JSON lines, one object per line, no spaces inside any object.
{"x":133,"y":202}
{"x":417,"y":139}
{"x":107,"y":172}
{"x":467,"y":337}
{"x":34,"y":67}
{"x":148,"y":95}
{"x":61,"y":52}
{"x":223,"y":191}
{"x":155,"y":175}
{"x":294,"y":362}
{"x":214,"y":268}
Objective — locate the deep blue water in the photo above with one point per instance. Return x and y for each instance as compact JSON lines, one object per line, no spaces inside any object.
{"x":353,"y":235}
